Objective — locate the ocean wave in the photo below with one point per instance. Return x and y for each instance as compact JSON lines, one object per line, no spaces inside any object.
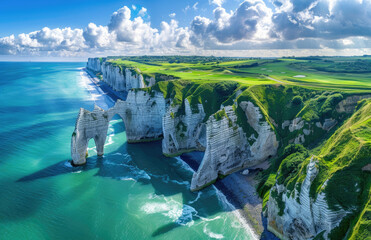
{"x":183,"y":165}
{"x":181,"y":214}
{"x":166,"y":179}
{"x":196,"y":199}
{"x":209,"y":219}
{"x":223,"y":200}
{"x":211,"y":234}
{"x":128,"y":179}
{"x":170,"y":209}
{"x":132,"y":171}
{"x":186,"y":219}
{"x":118,"y":154}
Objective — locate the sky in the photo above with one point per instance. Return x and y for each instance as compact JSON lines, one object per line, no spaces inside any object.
{"x":79,"y":29}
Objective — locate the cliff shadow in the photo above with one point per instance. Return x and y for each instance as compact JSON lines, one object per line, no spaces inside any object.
{"x":145,"y":163}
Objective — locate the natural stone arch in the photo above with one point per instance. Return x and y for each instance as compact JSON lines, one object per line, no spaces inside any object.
{"x":90,"y":125}
{"x":142,"y":119}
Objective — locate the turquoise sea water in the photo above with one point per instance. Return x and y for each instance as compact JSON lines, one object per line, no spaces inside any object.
{"x":133,"y":192}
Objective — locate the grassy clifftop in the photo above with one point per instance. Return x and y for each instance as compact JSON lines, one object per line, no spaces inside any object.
{"x":306,"y":90}
{"x":347,"y":74}
{"x":343,"y":175}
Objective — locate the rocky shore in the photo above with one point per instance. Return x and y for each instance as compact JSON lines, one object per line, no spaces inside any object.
{"x":240,"y":191}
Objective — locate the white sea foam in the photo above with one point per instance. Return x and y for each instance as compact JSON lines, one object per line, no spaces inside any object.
{"x":183,"y":164}
{"x":198,"y":197}
{"x":236,"y":212}
{"x":166,"y":179}
{"x":187,"y":216}
{"x":133,"y":171}
{"x":128,"y":179}
{"x":179,"y":213}
{"x":77,"y":171}
{"x":212,"y":234}
{"x":209,"y":219}
{"x":170,"y":209}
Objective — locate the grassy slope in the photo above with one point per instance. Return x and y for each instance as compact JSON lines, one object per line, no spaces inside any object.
{"x":347,"y":74}
{"x":340,"y":161}
{"x":326,"y":82}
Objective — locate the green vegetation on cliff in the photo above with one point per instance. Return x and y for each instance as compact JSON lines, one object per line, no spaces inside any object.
{"x":296,"y":97}
{"x":343,"y":175}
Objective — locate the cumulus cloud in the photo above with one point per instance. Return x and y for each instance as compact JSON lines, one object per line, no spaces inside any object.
{"x":327,"y":19}
{"x":122,"y":35}
{"x":142,"y":12}
{"x":97,"y":36}
{"x":251,"y":20}
{"x":216,"y":2}
{"x":324,"y":25}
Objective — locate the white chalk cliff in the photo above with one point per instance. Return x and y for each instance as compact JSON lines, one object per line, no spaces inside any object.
{"x":227,"y":146}
{"x":303,"y":217}
{"x":119,"y":78}
{"x":148,"y":116}
{"x":142,"y":113}
{"x":183,"y":133}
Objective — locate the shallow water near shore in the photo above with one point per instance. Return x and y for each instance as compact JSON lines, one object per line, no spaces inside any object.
{"x":133,"y":192}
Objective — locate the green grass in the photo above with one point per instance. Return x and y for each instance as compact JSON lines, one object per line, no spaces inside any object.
{"x":284,"y":89}
{"x":340,"y":160}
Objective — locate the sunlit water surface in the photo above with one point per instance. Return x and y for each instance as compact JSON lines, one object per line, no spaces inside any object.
{"x":133,"y":192}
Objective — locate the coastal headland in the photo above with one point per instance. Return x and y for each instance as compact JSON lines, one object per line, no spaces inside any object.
{"x":301,"y":131}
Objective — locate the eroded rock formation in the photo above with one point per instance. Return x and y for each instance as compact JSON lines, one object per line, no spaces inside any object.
{"x":119,"y":78}
{"x":141,"y":112}
{"x":184,"y":133}
{"x":296,"y":215}
{"x":227,"y":146}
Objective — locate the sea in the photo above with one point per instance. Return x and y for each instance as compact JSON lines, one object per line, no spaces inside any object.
{"x":133,"y":192}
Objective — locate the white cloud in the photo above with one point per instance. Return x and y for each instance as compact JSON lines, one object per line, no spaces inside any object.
{"x":219,"y":3}
{"x":292,"y":26}
{"x":97,"y":36}
{"x":326,"y":19}
{"x":186,"y":9}
{"x":195,"y":6}
{"x":251,"y":20}
{"x":142,"y":12}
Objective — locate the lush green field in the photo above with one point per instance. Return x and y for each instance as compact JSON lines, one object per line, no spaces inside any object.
{"x":343,"y":73}
{"x":285,"y":89}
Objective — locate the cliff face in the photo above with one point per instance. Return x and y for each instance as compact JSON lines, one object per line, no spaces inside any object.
{"x":240,"y":128}
{"x":294,"y":215}
{"x":320,"y":196}
{"x":183,"y":133}
{"x":228,"y":148}
{"x":142,"y":114}
{"x":94,"y":64}
{"x":119,"y":78}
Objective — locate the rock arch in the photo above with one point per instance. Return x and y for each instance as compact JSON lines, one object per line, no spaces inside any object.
{"x":142,"y":119}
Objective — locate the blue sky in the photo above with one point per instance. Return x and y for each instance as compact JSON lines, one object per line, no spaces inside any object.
{"x":78,"y":29}
{"x":26,"y":16}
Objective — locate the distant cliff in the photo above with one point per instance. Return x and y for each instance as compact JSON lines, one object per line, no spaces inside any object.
{"x":240,"y":127}
{"x":118,"y":77}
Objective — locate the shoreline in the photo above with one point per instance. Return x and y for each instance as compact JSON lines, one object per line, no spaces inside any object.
{"x":246,"y":204}
{"x":239,"y":190}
